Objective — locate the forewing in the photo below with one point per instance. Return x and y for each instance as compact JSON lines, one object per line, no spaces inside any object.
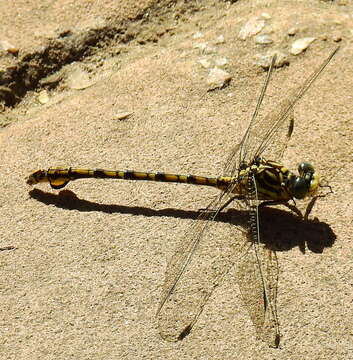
{"x":273,"y":143}
{"x":265,"y":133}
{"x":241,"y":151}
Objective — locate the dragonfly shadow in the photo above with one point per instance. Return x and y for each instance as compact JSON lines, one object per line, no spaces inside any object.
{"x":67,"y":199}
{"x":280,"y":230}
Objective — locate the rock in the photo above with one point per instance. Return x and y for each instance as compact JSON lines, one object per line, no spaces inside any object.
{"x":266,"y":16}
{"x":219,"y":40}
{"x":121,"y":115}
{"x":9,"y":48}
{"x":264,"y":39}
{"x":197,"y":35}
{"x":78,"y":79}
{"x":217,"y":78}
{"x":251,"y":28}
{"x":204,"y":48}
{"x":205,"y":63}
{"x":265,"y":60}
{"x":300,"y":45}
{"x":221,"y":61}
{"x":43,"y":97}
{"x":292,"y":31}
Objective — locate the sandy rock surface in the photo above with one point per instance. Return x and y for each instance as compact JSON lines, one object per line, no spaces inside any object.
{"x":82,"y":269}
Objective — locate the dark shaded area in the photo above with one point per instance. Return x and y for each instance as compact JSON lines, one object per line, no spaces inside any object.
{"x":69,"y":46}
{"x":7,"y":248}
{"x":280,"y":230}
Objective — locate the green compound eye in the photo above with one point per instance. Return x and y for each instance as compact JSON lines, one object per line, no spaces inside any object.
{"x":304,"y":168}
{"x":300,"y":188}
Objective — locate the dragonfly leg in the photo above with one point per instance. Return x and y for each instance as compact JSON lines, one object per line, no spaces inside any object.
{"x":289,"y":206}
{"x":310,"y":207}
{"x":235,"y":197}
{"x":313,"y":201}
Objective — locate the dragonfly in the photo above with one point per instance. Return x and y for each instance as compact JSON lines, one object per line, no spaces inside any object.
{"x":253,"y":177}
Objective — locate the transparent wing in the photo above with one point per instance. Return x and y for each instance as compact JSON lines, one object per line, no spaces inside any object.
{"x":258,"y":276}
{"x":269,"y":135}
{"x":206,"y":254}
{"x":197,"y":267}
{"x":265,"y":133}
{"x":239,"y":152}
{"x":258,"y":279}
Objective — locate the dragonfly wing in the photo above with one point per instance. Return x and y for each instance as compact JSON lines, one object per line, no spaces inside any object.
{"x":197,"y":267}
{"x":263,"y":132}
{"x":258,"y":275}
{"x":242,"y":150}
{"x":258,"y":280}
{"x":275,"y":149}
{"x":282,"y":132}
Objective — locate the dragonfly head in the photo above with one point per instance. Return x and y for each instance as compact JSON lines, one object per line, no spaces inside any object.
{"x":307,"y":183}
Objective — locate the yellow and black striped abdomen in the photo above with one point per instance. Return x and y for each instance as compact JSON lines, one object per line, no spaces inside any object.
{"x":59,"y":177}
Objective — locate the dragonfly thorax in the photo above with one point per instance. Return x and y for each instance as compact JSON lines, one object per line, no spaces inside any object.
{"x":275,"y":182}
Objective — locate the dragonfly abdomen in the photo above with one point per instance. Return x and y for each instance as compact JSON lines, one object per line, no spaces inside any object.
{"x":59,"y":177}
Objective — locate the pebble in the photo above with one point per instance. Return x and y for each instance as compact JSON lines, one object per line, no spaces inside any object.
{"x":78,"y":79}
{"x":122,"y":115}
{"x":221,"y":61}
{"x":300,"y":45}
{"x":205,"y":63}
{"x":9,"y":48}
{"x":292,"y":31}
{"x":337,"y":37}
{"x":204,"y":48}
{"x":217,"y":78}
{"x":197,"y":35}
{"x":252,"y":27}
{"x":264,"y":39}
{"x":43,"y":97}
{"x":265,"y":60}
{"x":219,"y":40}
{"x":266,"y":16}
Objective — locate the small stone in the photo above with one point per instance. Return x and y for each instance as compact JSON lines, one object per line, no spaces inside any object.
{"x":292,"y":31}
{"x":204,"y":48}
{"x":221,"y":61}
{"x":266,"y":16}
{"x":217,"y":78}
{"x":219,"y":40}
{"x":300,"y":45}
{"x":197,"y":35}
{"x":52,"y":80}
{"x":265,"y":60}
{"x":264,"y":39}
{"x":43,"y":97}
{"x":201,"y":46}
{"x":9,"y":48}
{"x":205,"y":63}
{"x":122,"y":115}
{"x":337,"y":37}
{"x":251,"y":28}
{"x":78,"y":79}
